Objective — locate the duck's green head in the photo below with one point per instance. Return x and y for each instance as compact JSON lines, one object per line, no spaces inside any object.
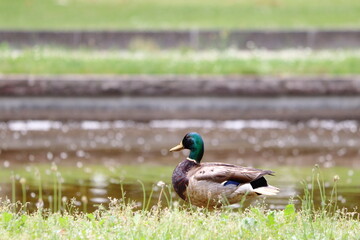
{"x":194,"y":143}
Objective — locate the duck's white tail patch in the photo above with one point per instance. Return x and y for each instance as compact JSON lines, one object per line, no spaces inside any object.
{"x":268,"y":190}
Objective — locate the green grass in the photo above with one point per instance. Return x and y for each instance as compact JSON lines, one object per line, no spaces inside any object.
{"x":168,"y":220}
{"x":153,"y":61}
{"x":179,"y":14}
{"x":121,"y":222}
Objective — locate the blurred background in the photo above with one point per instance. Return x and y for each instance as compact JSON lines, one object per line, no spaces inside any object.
{"x":93,"y":93}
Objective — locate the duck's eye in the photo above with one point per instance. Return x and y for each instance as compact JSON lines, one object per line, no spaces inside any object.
{"x":187,"y":141}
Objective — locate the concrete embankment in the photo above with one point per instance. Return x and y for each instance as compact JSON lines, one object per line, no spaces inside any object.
{"x":143,"y":98}
{"x":195,"y":39}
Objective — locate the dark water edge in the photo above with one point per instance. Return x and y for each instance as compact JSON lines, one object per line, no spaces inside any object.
{"x":93,"y":158}
{"x":193,"y":39}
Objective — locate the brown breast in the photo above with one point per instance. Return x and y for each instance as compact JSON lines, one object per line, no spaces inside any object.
{"x":180,"y":179}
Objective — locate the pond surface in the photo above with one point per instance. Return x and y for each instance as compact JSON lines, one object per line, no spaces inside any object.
{"x":91,"y":161}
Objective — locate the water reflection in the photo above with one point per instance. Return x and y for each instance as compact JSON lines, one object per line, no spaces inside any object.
{"x":111,"y":145}
{"x":133,"y":192}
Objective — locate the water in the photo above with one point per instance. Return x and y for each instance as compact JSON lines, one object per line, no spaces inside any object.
{"x":94,"y":159}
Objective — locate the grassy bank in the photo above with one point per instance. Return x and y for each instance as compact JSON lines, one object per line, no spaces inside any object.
{"x":121,"y":222}
{"x":169,"y":220}
{"x":180,"y":14}
{"x":153,"y":61}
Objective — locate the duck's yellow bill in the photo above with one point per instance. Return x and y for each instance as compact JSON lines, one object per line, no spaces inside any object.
{"x":177,"y":148}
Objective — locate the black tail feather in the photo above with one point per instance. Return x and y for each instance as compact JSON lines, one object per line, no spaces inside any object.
{"x":261,"y":182}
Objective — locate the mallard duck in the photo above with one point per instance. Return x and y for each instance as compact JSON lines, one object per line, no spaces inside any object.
{"x":213,"y":184}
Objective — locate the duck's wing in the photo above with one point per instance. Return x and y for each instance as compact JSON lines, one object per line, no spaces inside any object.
{"x":221,"y":172}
